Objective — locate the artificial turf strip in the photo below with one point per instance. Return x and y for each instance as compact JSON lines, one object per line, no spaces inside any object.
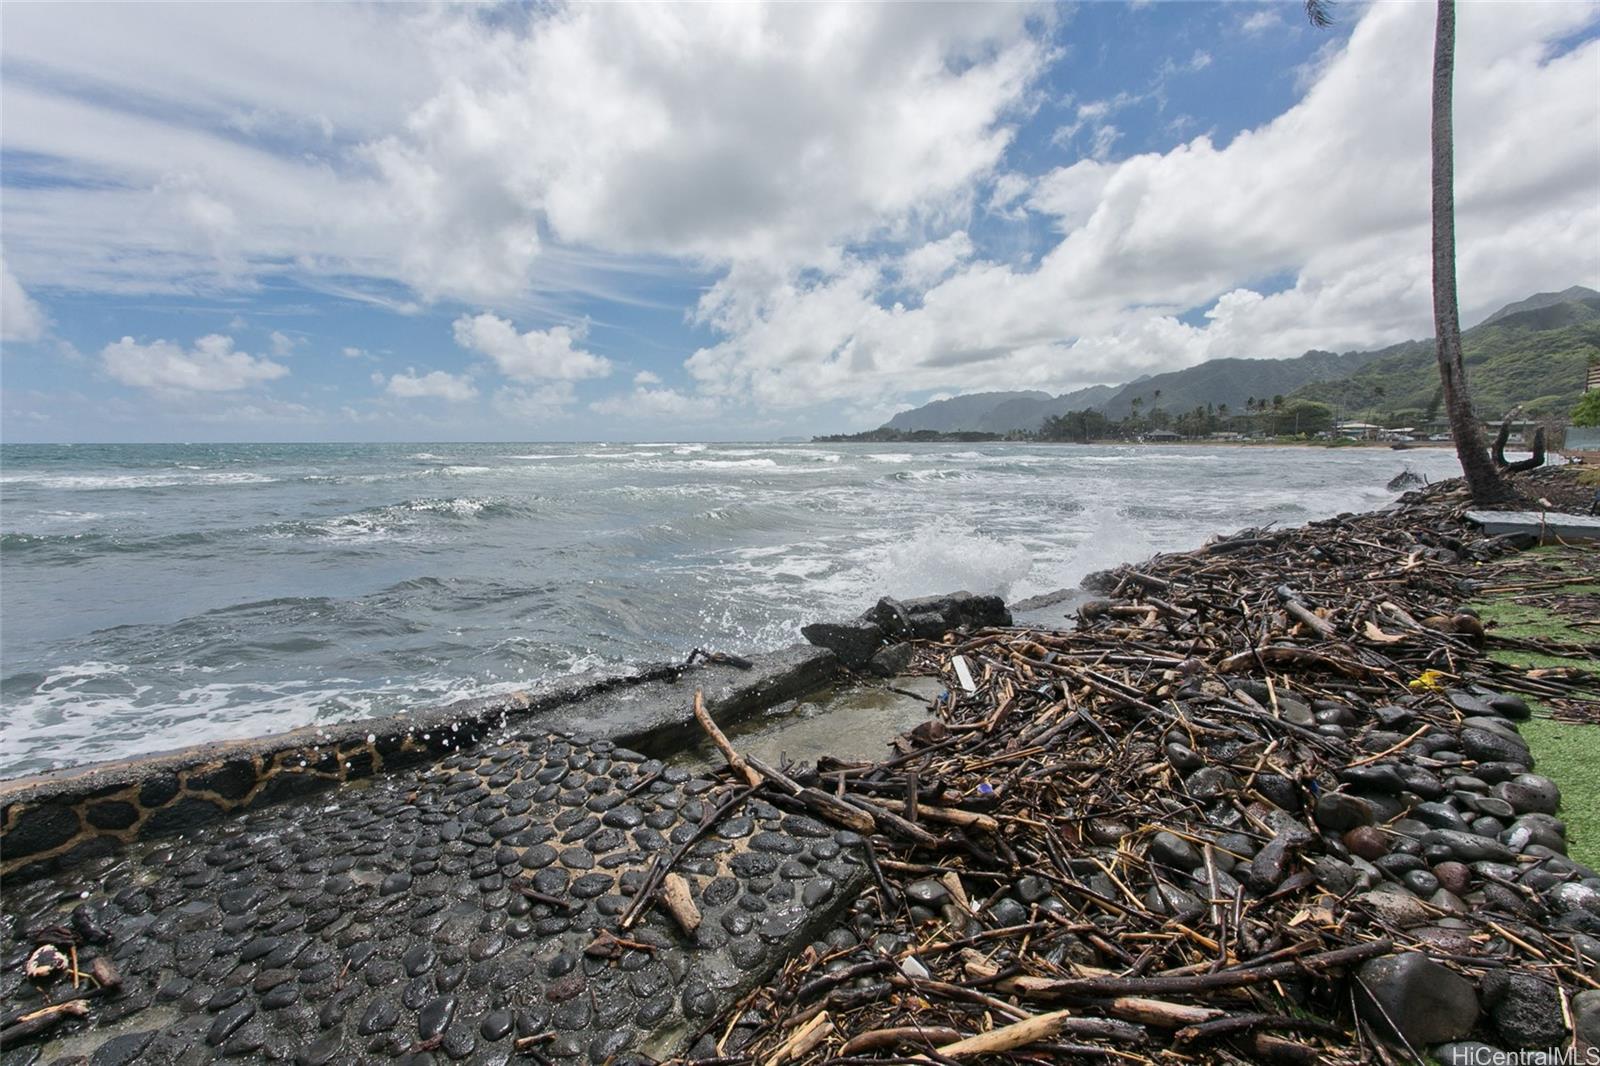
{"x":1567,"y":753}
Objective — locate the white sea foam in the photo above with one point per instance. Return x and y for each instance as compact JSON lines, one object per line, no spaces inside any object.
{"x":91,"y":482}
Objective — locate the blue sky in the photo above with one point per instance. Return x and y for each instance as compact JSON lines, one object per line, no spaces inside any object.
{"x":347,"y":222}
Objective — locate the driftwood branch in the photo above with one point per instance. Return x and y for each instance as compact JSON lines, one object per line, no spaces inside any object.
{"x":735,"y":760}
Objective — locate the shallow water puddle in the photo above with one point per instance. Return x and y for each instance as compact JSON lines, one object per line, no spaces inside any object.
{"x":846,"y":722}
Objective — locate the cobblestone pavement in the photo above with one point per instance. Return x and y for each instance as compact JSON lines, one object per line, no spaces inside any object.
{"x":390,"y":920}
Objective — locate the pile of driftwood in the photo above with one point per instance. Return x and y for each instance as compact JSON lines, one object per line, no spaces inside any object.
{"x":1261,"y":803}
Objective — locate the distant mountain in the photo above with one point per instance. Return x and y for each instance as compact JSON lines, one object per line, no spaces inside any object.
{"x":961,"y":412}
{"x":1528,"y":352}
{"x":1534,"y":353}
{"x":1540,"y":300}
{"x":996,"y":412}
{"x":1232,"y":382}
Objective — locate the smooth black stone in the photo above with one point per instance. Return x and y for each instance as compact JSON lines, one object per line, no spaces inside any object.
{"x":496,"y":1025}
{"x":280,"y":997}
{"x":607,"y":1046}
{"x":225,"y":998}
{"x":380,"y":1016}
{"x":229,"y":1021}
{"x":418,"y":959}
{"x":573,"y":1014}
{"x":577,"y":859}
{"x":435,"y":1015}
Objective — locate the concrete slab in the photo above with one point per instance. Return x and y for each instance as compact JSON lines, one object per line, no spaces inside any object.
{"x":440,"y":912}
{"x":56,"y":819}
{"x":1548,"y":526}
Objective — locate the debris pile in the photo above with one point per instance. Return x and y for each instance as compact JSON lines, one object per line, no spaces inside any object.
{"x":1267,"y":801}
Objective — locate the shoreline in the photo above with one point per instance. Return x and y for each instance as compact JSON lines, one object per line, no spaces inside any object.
{"x":955,"y":865}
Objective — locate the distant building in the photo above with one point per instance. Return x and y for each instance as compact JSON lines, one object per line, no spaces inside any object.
{"x":1357,"y":430}
{"x":1163,"y":435}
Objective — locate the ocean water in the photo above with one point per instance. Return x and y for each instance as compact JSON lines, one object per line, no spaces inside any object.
{"x":153,"y":596}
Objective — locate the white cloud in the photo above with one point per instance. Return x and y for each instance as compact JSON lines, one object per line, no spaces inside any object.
{"x":210,"y":366}
{"x":1333,"y":193}
{"x":450,"y":144}
{"x":20,"y":317}
{"x":282,"y":343}
{"x":537,"y":355}
{"x":656,"y":404}
{"x":924,"y":265}
{"x":537,"y":404}
{"x":434,"y":385}
{"x":1261,"y":22}
{"x":645,"y":377}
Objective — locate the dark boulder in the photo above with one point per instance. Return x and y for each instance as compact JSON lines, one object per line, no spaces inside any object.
{"x":853,"y":642}
{"x":1525,"y":1010}
{"x":1412,"y":996}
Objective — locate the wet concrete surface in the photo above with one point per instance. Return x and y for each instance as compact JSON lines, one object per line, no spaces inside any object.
{"x":848,"y":722}
{"x":386,"y":921}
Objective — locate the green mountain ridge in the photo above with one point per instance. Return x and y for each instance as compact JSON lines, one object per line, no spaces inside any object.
{"x":1534,"y":357}
{"x":1532,"y":352}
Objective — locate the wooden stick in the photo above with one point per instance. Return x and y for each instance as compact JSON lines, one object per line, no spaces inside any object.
{"x":879,"y":1039}
{"x":735,"y":760}
{"x":802,"y":1040}
{"x":41,"y":1021}
{"x":676,"y":898}
{"x":1017,"y":1034}
{"x":1094,"y":987}
{"x":965,"y":819}
{"x":834,"y":810}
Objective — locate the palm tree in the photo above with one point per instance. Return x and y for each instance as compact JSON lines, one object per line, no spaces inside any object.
{"x":1484,"y":481}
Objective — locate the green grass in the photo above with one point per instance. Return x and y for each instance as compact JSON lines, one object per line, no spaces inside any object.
{"x":1539,"y":623}
{"x":1530,"y":660}
{"x":1566,"y":753}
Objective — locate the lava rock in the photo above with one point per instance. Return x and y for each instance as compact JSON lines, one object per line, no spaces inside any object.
{"x":1491,"y":745}
{"x":1396,"y":906}
{"x":1212,"y":782}
{"x":1530,"y":794}
{"x":1525,"y":1010}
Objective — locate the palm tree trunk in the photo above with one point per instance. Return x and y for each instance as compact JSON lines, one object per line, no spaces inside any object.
{"x":1485,"y":482}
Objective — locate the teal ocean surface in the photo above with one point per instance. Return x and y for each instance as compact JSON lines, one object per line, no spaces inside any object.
{"x":159,"y":595}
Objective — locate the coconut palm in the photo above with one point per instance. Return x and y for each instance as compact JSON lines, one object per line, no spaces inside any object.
{"x":1484,"y":481}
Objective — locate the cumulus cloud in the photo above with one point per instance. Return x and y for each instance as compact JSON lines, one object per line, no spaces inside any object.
{"x":650,"y":403}
{"x":928,"y":263}
{"x":537,"y":355}
{"x":835,"y":175}
{"x":211,"y":365}
{"x":536,"y":404}
{"x":1334,"y":194}
{"x":20,"y":318}
{"x":719,"y":132}
{"x":434,"y":385}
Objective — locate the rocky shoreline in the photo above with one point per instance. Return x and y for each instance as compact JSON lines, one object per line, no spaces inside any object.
{"x":1266,"y":799}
